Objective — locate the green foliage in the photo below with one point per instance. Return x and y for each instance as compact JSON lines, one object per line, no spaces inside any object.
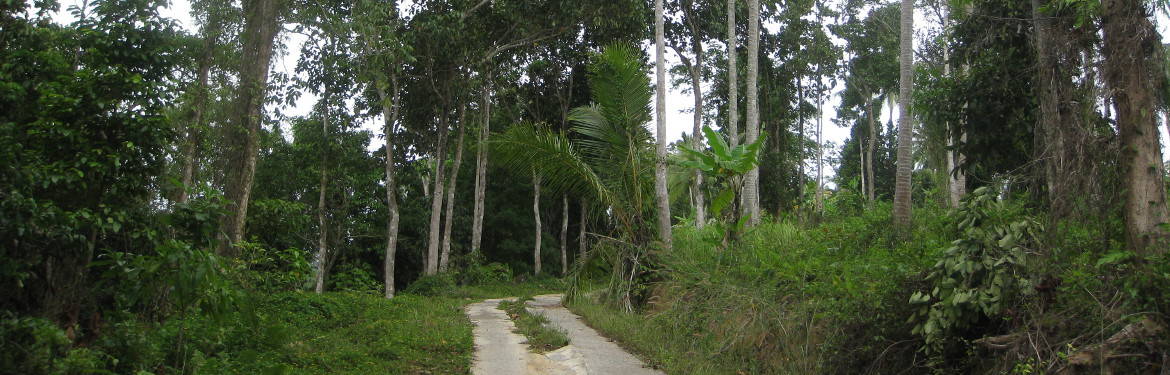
{"x":30,"y":344}
{"x":981,"y":273}
{"x":491,"y":273}
{"x":727,"y":165}
{"x":432,"y":285}
{"x":535,"y":326}
{"x":270,"y":270}
{"x":783,"y":299}
{"x":354,"y":278}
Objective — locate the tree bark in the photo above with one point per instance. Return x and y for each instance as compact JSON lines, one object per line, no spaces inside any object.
{"x":696,"y":70}
{"x":661,"y":195}
{"x":752,"y":187}
{"x":536,"y":218}
{"x":1132,"y":53}
{"x":199,"y":108}
{"x":390,"y":117}
{"x":481,"y":156}
{"x":732,"y":83}
{"x":902,"y":200}
{"x":243,"y":134}
{"x":322,"y":229}
{"x":872,"y":144}
{"x":819,"y":199}
{"x":432,"y":260}
{"x":956,"y":179}
{"x":446,"y":254}
{"x":564,"y":235}
{"x":581,"y":234}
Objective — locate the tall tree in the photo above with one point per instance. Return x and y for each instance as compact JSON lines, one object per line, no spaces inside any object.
{"x":1132,"y":57}
{"x":450,"y":214}
{"x":661,"y":195}
{"x":732,"y":82}
{"x":536,"y":220}
{"x":902,"y":201}
{"x":481,"y":159}
{"x":752,"y":185}
{"x":564,"y":235}
{"x":243,"y":132}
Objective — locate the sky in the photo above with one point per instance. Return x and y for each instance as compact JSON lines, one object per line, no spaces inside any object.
{"x":678,"y":103}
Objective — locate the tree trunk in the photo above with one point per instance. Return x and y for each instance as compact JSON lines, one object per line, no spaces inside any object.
{"x":243,"y":133}
{"x":660,"y":192}
{"x":322,"y":229}
{"x":564,"y":235}
{"x":956,"y":179}
{"x":752,"y":187}
{"x":446,"y":254}
{"x":481,"y":156}
{"x":581,"y":235}
{"x":536,"y":218}
{"x":861,"y":163}
{"x":696,"y":70}
{"x":732,"y":83}
{"x":432,"y":260}
{"x":872,"y":144}
{"x":1132,"y":53}
{"x":390,"y":116}
{"x":800,"y":140}
{"x":902,"y":201}
{"x":819,"y":199}
{"x":194,"y":128}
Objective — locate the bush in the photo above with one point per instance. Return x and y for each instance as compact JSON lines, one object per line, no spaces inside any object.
{"x":29,"y":345}
{"x":354,"y":278}
{"x":491,"y":273}
{"x":432,"y":285}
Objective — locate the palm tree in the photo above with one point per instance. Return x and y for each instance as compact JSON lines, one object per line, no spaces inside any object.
{"x":610,"y":159}
{"x":905,"y":130}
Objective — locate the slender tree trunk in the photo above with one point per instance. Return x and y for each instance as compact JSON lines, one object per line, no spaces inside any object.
{"x":1132,"y":53}
{"x":481,"y":156}
{"x":432,"y":260}
{"x":819,"y":199}
{"x":564,"y":235}
{"x":902,"y":200}
{"x":861,"y":163}
{"x":732,"y":83}
{"x":581,"y":234}
{"x":696,"y":70}
{"x":446,"y":254}
{"x":956,"y":180}
{"x":660,"y":192}
{"x":194,"y":132}
{"x":243,"y":134}
{"x":800,"y":140}
{"x":390,"y":116}
{"x":536,"y":218}
{"x":322,"y":227}
{"x":872,"y":145}
{"x":751,"y":189}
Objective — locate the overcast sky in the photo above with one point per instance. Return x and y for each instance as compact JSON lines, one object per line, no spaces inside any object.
{"x":678,"y":121}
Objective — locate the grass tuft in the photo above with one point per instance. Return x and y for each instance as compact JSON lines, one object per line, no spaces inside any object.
{"x":542,"y":336}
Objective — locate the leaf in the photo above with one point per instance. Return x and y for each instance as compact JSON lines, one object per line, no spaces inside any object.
{"x":722,"y":200}
{"x":1115,"y":258}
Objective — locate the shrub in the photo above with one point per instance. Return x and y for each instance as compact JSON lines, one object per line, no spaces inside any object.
{"x":488,"y":274}
{"x":29,"y":345}
{"x":432,"y":285}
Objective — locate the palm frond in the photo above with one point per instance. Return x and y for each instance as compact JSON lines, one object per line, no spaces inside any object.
{"x":553,"y":156}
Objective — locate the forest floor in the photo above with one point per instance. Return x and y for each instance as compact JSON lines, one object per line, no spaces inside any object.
{"x":500,"y":350}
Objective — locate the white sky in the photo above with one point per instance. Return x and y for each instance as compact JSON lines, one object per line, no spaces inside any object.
{"x":678,"y":121}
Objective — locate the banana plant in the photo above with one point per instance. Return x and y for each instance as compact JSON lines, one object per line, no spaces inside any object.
{"x":727,"y":167}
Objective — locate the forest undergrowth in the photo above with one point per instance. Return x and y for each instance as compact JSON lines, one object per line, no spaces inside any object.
{"x":847,"y":296}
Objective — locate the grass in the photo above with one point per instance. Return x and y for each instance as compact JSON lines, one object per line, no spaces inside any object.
{"x":350,"y":333}
{"x":542,"y":337}
{"x":785,"y":299}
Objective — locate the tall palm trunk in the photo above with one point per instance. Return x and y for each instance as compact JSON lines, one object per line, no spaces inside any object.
{"x":243,"y":134}
{"x":661,"y":195}
{"x":536,"y":218}
{"x":390,"y":116}
{"x":446,"y":254}
{"x":432,"y":260}
{"x":752,"y":187}
{"x":481,"y":156}
{"x":564,"y":235}
{"x":902,"y":201}
{"x":1132,"y":53}
{"x":732,"y":82}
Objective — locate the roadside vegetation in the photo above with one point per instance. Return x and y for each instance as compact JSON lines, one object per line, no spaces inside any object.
{"x":542,"y":336}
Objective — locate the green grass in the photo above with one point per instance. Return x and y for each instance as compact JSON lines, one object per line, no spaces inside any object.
{"x":349,"y":333}
{"x":785,"y":299}
{"x":542,"y":337}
